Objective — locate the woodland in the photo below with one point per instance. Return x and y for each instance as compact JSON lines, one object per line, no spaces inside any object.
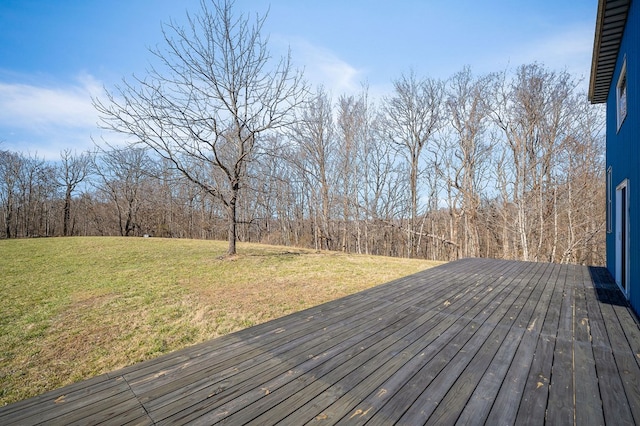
{"x":226,"y":142}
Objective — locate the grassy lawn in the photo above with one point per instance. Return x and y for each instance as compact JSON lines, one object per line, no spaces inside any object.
{"x":73,"y":308}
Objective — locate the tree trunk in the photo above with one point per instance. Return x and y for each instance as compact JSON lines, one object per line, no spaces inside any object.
{"x":231,"y":250}
{"x":67,"y":213}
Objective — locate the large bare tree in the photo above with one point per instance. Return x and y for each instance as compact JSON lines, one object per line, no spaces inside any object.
{"x":350,"y":126}
{"x":314,"y":136}
{"x":534,"y":113}
{"x":413,"y":114}
{"x":468,"y":111}
{"x":73,"y":170}
{"x":215,"y":91}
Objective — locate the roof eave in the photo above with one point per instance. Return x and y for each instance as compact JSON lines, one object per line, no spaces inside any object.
{"x":596,"y":51}
{"x":610,"y":23}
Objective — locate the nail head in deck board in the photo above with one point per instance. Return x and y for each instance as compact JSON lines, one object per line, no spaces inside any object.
{"x":550,"y":341}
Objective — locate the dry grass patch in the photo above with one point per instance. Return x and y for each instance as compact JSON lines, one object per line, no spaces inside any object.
{"x":78,"y":307}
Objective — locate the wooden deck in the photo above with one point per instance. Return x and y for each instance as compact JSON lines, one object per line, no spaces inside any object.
{"x":471,"y":342}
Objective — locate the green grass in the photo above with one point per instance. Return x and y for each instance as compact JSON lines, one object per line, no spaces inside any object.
{"x":74,"y":308}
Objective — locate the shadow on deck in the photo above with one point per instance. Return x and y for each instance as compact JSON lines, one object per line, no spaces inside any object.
{"x":474,"y":341}
{"x":606,"y":288}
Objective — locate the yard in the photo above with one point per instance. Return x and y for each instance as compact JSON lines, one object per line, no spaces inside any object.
{"x":78,"y":307}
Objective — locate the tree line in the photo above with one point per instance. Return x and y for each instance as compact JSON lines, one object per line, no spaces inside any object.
{"x":225,"y":143}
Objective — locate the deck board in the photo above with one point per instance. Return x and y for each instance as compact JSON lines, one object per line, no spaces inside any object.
{"x":500,"y":391}
{"x":560,"y":409}
{"x":470,"y":342}
{"x":423,"y":392}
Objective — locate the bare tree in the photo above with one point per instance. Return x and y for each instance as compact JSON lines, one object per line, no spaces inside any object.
{"x":534,"y":113}
{"x":349,"y":125}
{"x":468,"y":111}
{"x":123,"y":172}
{"x":10,"y":166}
{"x":413,"y":114}
{"x":27,"y":194}
{"x":354,"y":127}
{"x":205,"y":110}
{"x":579,"y":191}
{"x":74,"y":169}
{"x":314,"y":136}
{"x":426,"y":172}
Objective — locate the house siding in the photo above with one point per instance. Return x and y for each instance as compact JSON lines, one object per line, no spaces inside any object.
{"x":623,"y":149}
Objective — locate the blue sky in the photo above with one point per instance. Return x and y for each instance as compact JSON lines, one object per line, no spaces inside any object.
{"x":55,"y":55}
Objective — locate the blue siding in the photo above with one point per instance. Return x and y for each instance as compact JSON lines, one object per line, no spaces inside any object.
{"x":623,"y":149}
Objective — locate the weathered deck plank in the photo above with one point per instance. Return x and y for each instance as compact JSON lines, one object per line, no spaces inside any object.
{"x":347,"y":371}
{"x":588,"y":403}
{"x":497,"y":397}
{"x":560,"y":408}
{"x":424,"y":391}
{"x":533,"y":404}
{"x":470,"y":342}
{"x":239,"y":399}
{"x":442,"y":401}
{"x":374,"y":393}
{"x":399,"y":369}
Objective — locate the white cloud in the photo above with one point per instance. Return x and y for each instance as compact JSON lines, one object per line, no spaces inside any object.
{"x":323,"y":67}
{"x":47,"y":119}
{"x":24,"y":105}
